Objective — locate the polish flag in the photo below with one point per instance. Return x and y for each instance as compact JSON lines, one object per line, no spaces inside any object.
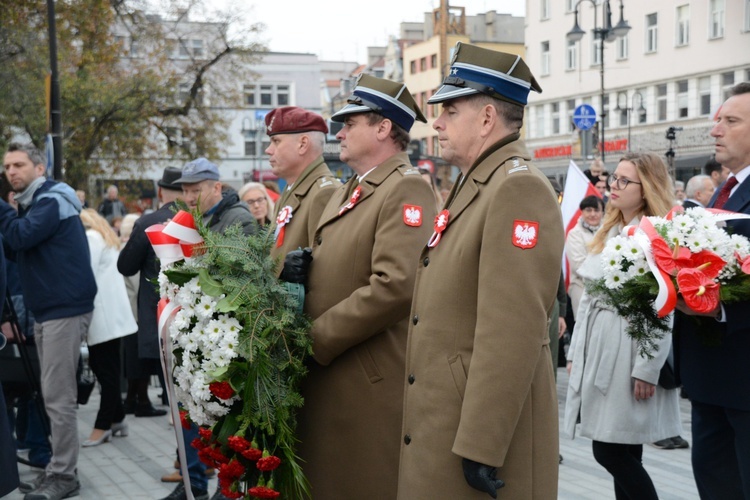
{"x":577,"y":187}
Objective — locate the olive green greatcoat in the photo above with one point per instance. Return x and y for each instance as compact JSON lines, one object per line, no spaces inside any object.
{"x":360,"y":289}
{"x":307,"y":199}
{"x":479,"y":378}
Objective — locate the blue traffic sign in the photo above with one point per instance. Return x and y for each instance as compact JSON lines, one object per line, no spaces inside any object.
{"x":584,"y":117}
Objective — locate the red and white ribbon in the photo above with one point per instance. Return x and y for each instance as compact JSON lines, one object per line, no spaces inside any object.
{"x":352,"y":201}
{"x":441,"y":224}
{"x":285,"y":215}
{"x":666,"y":299}
{"x":176,"y":240}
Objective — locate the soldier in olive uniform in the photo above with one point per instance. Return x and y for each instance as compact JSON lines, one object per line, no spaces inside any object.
{"x":360,"y":285}
{"x":480,"y":404}
{"x":296,"y":155}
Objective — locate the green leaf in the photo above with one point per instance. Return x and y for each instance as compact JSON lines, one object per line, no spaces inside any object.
{"x":209,"y":285}
{"x":226,"y":306}
{"x":180,"y":276}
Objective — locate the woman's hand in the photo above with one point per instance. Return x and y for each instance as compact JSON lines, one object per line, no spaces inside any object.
{"x":643,"y":390}
{"x":569,"y":366}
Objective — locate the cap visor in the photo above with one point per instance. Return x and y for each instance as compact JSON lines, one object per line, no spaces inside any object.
{"x":349,"y":109}
{"x":447,"y":92}
{"x":193,"y":180}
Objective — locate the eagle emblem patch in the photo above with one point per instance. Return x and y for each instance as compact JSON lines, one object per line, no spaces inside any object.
{"x":413,"y":215}
{"x":525,"y":233}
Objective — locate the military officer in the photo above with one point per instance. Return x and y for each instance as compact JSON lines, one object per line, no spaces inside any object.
{"x":360,"y":286}
{"x":296,"y":155}
{"x":480,"y":404}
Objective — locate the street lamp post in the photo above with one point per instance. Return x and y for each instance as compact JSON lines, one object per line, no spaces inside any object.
{"x":622,"y":105}
{"x":607,"y":33}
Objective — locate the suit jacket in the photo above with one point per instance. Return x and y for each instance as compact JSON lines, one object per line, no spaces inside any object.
{"x":307,"y":199}
{"x":711,"y":356}
{"x":360,"y":289}
{"x":480,"y":382}
{"x":690,"y":204}
{"x":138,"y":256}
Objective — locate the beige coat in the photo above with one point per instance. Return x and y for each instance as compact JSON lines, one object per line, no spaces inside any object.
{"x":307,"y":199}
{"x":479,"y":377}
{"x":360,"y":289}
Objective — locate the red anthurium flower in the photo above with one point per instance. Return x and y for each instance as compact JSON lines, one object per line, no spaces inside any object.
{"x":701,"y":293}
{"x":670,"y":261}
{"x":744,"y":263}
{"x":263,"y":492}
{"x":708,"y":262}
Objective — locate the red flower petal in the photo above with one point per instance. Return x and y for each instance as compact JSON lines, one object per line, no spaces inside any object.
{"x":263,"y":492}
{"x":222,"y":390}
{"x":268,"y":463}
{"x":700,"y":292}
{"x":744,"y":263}
{"x":252,"y":454}
{"x":708,"y":262}
{"x":665,"y":259}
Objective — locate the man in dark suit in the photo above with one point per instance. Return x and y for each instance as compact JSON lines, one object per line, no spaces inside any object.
{"x":699,"y":191}
{"x":712,"y":352}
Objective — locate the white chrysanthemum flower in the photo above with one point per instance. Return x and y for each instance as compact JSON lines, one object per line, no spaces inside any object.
{"x":205,"y":307}
{"x":616,"y":280}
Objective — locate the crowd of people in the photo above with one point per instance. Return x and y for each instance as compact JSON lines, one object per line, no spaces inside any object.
{"x":435,"y":318}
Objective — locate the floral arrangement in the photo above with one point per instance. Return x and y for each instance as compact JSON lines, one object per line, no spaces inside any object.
{"x":687,"y":253}
{"x":239,"y":341}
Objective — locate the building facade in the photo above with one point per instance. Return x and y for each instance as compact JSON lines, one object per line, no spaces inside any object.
{"x":665,"y":78}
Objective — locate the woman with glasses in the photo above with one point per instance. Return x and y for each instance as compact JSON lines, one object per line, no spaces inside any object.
{"x":612,"y":389}
{"x":260,"y":203}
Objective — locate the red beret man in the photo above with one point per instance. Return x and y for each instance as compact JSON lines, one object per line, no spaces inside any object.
{"x":360,"y":286}
{"x":480,"y":405}
{"x":297,"y":137}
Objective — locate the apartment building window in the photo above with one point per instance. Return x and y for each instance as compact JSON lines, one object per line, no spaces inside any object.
{"x":682,"y":99}
{"x":423,"y":64}
{"x":183,"y":93}
{"x":571,"y":55}
{"x":661,"y":102}
{"x":596,"y":44}
{"x":545,"y":9}
{"x":249,"y":95}
{"x":539,"y":121}
{"x":282,"y":95}
{"x":433,"y":61}
{"x":747,"y":15}
{"x":555,"y":117}
{"x":622,"y":47}
{"x":716,"y":19}
{"x":651,"y":32}
{"x":641,"y":108}
{"x":413,"y":67}
{"x":184,"y":52}
{"x":545,"y":58}
{"x":727,"y":82}
{"x":704,"y":95}
{"x":571,"y":107}
{"x":197,"y":48}
{"x":570,"y":5}
{"x":682,"y":31}
{"x":267,"y":95}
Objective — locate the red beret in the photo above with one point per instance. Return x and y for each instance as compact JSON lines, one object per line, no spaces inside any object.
{"x":293,"y":120}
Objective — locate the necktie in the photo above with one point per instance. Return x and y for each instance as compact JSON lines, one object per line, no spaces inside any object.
{"x":724,"y":192}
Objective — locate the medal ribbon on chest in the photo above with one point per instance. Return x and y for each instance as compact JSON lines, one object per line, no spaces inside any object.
{"x":441,"y":223}
{"x":285,"y":215}
{"x":352,"y":201}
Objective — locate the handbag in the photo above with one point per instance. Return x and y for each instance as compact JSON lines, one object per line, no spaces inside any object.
{"x":86,"y":382}
{"x":667,"y":377}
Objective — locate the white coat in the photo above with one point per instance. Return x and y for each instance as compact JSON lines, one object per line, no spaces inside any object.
{"x":113,"y":317}
{"x":605,"y":363}
{"x":576,"y":250}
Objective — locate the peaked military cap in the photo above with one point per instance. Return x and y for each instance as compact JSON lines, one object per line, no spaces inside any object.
{"x":475,"y":70}
{"x":390,"y":99}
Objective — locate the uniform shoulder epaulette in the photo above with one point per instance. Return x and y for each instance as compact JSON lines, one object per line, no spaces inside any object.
{"x":516,"y":166}
{"x":408,"y":170}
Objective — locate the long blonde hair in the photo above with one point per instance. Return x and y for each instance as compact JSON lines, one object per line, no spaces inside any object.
{"x":658,"y":195}
{"x":92,"y":220}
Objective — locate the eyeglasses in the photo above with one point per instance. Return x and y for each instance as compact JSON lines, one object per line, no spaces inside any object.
{"x":257,"y":201}
{"x":621,"y":182}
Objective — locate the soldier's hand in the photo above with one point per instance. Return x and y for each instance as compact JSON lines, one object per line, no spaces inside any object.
{"x":482,"y":477}
{"x":296,"y":266}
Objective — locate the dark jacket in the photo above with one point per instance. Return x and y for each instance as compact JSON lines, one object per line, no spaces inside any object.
{"x":52,"y":252}
{"x":138,"y":256}
{"x":229,"y":212}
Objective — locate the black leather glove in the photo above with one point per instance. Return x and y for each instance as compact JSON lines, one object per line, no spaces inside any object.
{"x":296,"y":265}
{"x":482,"y":477}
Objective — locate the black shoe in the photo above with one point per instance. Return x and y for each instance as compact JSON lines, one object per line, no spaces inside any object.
{"x":129,"y":407}
{"x":664,"y":444}
{"x":678,"y":442}
{"x":148,"y":410}
{"x":179,"y":493}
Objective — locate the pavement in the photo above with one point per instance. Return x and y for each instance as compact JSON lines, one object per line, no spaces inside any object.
{"x":131,"y":467}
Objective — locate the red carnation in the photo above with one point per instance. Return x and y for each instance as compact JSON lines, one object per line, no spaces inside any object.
{"x":231,"y":494}
{"x":218,"y":456}
{"x":268,"y":463}
{"x":233,"y":470}
{"x":263,"y":492}
{"x":252,"y":454}
{"x":205,"y":456}
{"x":221,"y":390}
{"x":184,"y":420}
{"x":238,"y":443}
{"x":198,"y":444}
{"x":205,"y":433}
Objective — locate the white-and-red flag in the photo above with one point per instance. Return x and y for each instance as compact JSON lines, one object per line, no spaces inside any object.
{"x":577,"y":187}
